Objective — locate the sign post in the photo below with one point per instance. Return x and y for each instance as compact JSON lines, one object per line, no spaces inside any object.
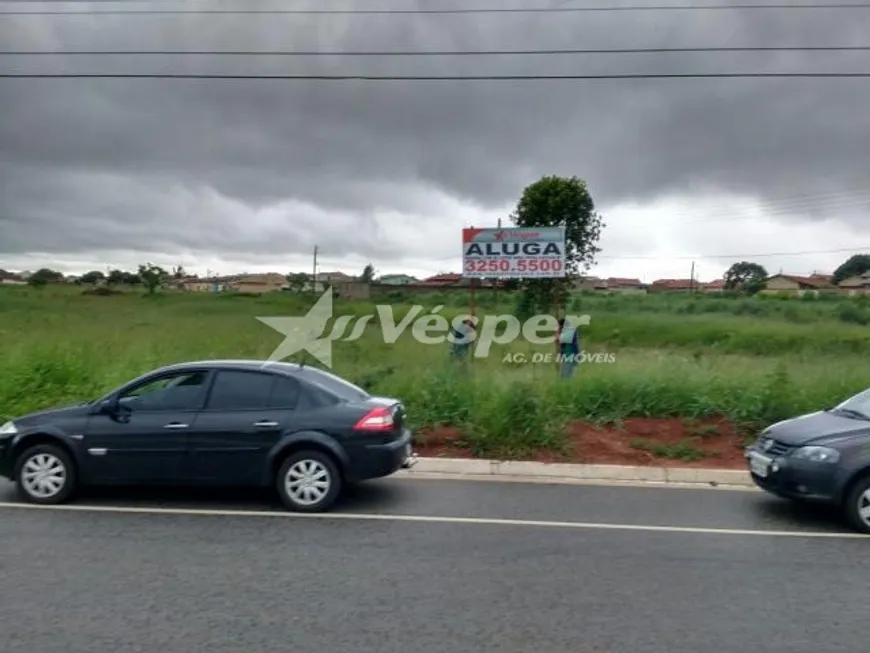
{"x":512,"y":253}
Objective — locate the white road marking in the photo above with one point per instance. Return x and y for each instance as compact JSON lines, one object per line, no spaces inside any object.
{"x":432,"y":519}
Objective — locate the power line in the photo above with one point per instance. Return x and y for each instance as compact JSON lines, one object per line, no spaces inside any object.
{"x":434,"y":53}
{"x":489,"y":10}
{"x":697,"y":257}
{"x":439,"y":78}
{"x":738,"y":256}
{"x":782,"y":206}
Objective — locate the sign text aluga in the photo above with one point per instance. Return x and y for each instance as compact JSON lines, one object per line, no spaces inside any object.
{"x":513,"y":253}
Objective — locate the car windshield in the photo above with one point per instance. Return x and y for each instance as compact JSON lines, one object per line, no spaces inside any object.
{"x":336,"y":385}
{"x":859,"y":405}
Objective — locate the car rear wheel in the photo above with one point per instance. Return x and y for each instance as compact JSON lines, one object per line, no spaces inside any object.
{"x":309,"y":481}
{"x":858,"y":505}
{"x":45,"y":474}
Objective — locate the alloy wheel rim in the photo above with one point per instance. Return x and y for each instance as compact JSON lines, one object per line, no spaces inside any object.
{"x":43,"y":475}
{"x":864,"y":507}
{"x":307,"y":482}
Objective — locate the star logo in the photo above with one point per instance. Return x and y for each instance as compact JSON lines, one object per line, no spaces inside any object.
{"x":304,"y":333}
{"x":499,"y":235}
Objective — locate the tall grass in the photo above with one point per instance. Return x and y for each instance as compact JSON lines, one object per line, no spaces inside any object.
{"x":61,"y":347}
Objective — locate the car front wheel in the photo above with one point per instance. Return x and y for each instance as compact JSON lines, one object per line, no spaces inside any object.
{"x":858,"y":506}
{"x":45,"y":474}
{"x":309,"y":481}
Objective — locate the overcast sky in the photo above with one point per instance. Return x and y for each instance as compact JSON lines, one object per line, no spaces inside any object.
{"x":231,"y":176}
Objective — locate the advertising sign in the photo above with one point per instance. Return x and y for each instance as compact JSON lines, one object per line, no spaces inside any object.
{"x":514,"y":253}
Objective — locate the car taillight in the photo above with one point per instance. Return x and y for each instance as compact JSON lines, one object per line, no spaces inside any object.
{"x":379,"y":419}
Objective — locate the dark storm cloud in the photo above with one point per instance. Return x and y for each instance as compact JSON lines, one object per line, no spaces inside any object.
{"x":260,"y":167}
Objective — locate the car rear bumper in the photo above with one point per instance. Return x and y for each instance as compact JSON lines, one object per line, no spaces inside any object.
{"x":379,"y":460}
{"x":795,"y":479}
{"x":7,"y":465}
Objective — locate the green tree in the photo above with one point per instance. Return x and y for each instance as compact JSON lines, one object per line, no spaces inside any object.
{"x":119,"y":277}
{"x":44,"y":276}
{"x":297,"y":281}
{"x":152,"y":276}
{"x":853,"y":266}
{"x":745,"y":277}
{"x":92,"y":277}
{"x":560,"y":202}
{"x":368,"y":274}
{"x":116,"y":277}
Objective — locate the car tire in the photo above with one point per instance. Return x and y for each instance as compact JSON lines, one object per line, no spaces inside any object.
{"x":309,"y":481}
{"x":857,"y":500}
{"x":53,"y":466}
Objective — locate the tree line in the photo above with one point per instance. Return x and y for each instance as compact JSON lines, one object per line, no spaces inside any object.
{"x":149,"y":276}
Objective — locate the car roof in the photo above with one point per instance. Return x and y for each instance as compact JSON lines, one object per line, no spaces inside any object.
{"x":236,"y":364}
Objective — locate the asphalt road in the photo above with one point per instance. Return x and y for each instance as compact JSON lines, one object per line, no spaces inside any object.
{"x":424,"y":566}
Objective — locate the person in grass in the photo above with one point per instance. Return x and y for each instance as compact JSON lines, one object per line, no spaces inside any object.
{"x":463,"y":336}
{"x":567,"y":348}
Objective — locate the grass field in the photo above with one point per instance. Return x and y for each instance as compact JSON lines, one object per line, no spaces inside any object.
{"x":752,"y":360}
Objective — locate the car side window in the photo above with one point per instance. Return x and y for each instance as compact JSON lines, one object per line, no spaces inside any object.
{"x":233,"y":390}
{"x":285,"y":393}
{"x":313,"y":396}
{"x":181,"y":391}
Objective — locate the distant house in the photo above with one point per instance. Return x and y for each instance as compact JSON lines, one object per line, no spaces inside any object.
{"x":857,"y":285}
{"x":623,"y":285}
{"x":796,"y":285}
{"x":327,"y":279}
{"x":674,"y":285}
{"x":247,"y":283}
{"x":197,"y":284}
{"x":257,"y":283}
{"x":335,"y":277}
{"x":397,"y":279}
{"x":589,"y":284}
{"x":611,"y":284}
{"x":717,"y":286}
{"x":441,"y":280}
{"x":11,"y":278}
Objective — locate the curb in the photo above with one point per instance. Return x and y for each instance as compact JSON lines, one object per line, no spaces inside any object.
{"x":518,"y":470}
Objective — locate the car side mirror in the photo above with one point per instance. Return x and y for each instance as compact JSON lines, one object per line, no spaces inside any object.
{"x":110,"y":407}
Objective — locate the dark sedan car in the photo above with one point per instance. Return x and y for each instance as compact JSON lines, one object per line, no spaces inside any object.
{"x":822,"y":457}
{"x":299,"y":429}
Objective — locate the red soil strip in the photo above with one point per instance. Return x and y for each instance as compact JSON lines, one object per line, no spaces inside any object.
{"x":715,"y":440}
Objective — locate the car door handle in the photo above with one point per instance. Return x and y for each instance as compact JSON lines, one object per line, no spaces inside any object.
{"x":266,"y":424}
{"x":175,"y":425}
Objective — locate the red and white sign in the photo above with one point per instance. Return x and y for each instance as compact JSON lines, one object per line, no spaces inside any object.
{"x":513,"y":253}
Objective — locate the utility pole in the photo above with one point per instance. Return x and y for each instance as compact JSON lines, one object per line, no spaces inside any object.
{"x":692,"y":278}
{"x":495,"y":280}
{"x":314,"y":273}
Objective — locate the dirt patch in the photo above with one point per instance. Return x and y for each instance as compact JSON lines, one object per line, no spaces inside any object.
{"x":657,"y":442}
{"x":442,"y":443}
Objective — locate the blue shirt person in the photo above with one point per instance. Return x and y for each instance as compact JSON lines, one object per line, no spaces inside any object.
{"x":567,"y":348}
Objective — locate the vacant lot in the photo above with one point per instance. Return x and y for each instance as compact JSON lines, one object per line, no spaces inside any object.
{"x":747,"y":361}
